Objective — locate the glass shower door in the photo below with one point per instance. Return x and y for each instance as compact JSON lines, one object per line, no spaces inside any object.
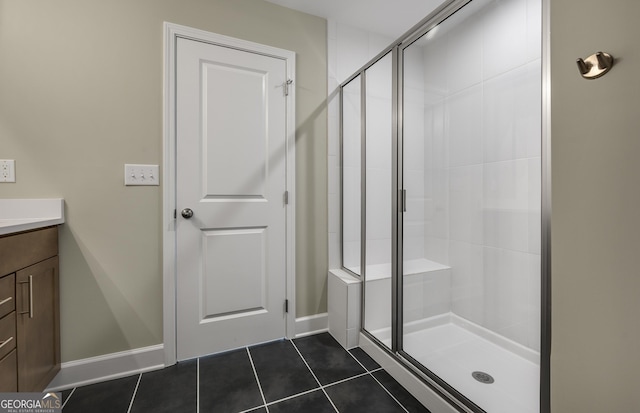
{"x":378,"y":139}
{"x":471,"y":244}
{"x":352,"y":176}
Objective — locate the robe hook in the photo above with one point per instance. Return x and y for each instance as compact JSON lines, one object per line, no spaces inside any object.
{"x":595,"y":65}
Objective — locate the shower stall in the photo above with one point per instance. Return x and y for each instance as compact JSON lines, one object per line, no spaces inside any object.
{"x":443,"y":187}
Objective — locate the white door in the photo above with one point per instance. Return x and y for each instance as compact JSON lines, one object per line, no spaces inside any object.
{"x":231,"y":136}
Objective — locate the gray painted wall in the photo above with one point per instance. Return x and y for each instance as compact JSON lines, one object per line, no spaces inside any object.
{"x":81,"y":95}
{"x":596,"y":202}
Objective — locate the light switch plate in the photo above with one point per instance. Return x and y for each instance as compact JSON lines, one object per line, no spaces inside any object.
{"x":7,"y":170}
{"x":137,"y":175}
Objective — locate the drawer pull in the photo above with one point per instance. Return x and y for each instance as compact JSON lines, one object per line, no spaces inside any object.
{"x":30,"y":312}
{"x":6,"y":300}
{"x":4,"y":343}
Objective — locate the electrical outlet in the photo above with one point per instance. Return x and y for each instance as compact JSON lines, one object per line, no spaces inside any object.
{"x":7,"y":170}
{"x":135,"y":175}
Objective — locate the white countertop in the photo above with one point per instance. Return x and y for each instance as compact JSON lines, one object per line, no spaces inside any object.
{"x":18,"y":215}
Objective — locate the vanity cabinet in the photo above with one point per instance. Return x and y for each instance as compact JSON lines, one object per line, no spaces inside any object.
{"x":29,"y":310}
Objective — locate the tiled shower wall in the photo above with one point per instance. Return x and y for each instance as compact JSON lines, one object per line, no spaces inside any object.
{"x":482,"y":136}
{"x":472,"y":159}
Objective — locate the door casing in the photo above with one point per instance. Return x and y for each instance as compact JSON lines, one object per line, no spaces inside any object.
{"x":171,"y":33}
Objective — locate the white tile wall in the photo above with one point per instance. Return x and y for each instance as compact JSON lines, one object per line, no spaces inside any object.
{"x":463,"y":126}
{"x":344,"y":298}
{"x":505,"y":36}
{"x":511,"y":114}
{"x":463,"y":53}
{"x":379,"y":133}
{"x":465,"y":203}
{"x":534,"y":23}
{"x":467,"y":284}
{"x":426,"y":295}
{"x":352,"y":50}
{"x":378,"y":204}
{"x":482,"y":174}
{"x":378,"y":251}
{"x":377,"y":313}
{"x":334,"y":250}
{"x":510,"y":284}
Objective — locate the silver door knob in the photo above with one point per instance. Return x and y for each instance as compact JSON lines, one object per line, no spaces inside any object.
{"x":187,"y":213}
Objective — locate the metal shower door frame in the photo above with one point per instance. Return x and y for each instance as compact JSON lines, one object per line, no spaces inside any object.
{"x":396,"y":351}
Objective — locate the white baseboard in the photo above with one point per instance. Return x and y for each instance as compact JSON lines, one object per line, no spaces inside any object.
{"x":108,"y":367}
{"x":126,"y":363}
{"x":312,"y":324}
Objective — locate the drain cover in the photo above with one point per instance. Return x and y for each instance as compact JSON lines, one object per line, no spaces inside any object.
{"x":482,"y":377}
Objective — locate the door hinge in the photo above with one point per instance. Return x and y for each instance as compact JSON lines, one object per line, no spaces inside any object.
{"x":175,"y":213}
{"x":286,"y":86}
{"x":286,"y":306}
{"x":286,"y":197}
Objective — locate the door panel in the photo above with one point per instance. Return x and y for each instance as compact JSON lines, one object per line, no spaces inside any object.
{"x":236,"y":259}
{"x":231,"y":171}
{"x":235,"y":106}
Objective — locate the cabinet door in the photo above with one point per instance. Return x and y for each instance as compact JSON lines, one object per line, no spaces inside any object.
{"x":38,"y":321}
{"x":8,"y":376}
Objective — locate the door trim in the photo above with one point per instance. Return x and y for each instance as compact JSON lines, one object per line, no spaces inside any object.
{"x":171,"y":33}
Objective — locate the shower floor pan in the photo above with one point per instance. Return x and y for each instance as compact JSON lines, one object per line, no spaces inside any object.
{"x":454,"y":348}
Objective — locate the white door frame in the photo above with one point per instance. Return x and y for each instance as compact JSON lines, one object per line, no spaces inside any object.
{"x":171,"y":33}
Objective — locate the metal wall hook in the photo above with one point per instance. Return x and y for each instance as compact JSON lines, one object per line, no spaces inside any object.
{"x":595,"y":65}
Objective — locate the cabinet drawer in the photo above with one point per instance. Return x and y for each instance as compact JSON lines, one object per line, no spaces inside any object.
{"x":7,"y":334}
{"x":9,"y":373}
{"x":7,"y":294}
{"x":18,"y":251}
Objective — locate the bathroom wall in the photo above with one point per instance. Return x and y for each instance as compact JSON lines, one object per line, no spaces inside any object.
{"x":81,"y":84}
{"x":595,"y":203}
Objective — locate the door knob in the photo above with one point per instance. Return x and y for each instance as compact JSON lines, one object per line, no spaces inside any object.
{"x":187,"y":213}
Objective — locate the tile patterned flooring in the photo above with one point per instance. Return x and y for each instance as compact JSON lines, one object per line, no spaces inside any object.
{"x":311,"y":374}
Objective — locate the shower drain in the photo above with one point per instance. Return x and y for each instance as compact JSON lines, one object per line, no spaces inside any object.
{"x":482,"y":377}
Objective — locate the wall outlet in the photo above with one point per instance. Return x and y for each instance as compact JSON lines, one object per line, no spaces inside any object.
{"x":7,"y":170}
{"x":136,"y":175}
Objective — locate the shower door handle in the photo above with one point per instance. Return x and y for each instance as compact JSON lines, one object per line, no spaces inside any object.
{"x":403,"y":197}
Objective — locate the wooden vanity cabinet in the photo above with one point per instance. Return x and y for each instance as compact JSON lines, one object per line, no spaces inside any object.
{"x":29,"y":310}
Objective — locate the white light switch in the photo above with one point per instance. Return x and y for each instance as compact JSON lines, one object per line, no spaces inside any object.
{"x":141,"y":174}
{"x":7,"y":170}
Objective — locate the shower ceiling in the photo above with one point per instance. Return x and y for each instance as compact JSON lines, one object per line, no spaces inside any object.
{"x":390,"y":18}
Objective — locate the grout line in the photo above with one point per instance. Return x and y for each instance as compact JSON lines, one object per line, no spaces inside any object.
{"x":357,"y":376}
{"x":314,"y":376}
{"x":70,"y":394}
{"x":253,"y":409}
{"x":255,"y":373}
{"x":370,"y":373}
{"x":293,"y":396}
{"x":135,"y":391}
{"x":357,"y":361}
{"x":389,"y":393}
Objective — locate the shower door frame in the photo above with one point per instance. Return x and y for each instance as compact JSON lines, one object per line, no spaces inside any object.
{"x":396,"y":351}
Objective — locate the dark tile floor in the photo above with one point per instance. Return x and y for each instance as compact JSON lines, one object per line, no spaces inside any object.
{"x":312,"y":374}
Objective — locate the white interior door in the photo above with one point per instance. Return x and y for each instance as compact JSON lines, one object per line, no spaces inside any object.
{"x":231,"y":138}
